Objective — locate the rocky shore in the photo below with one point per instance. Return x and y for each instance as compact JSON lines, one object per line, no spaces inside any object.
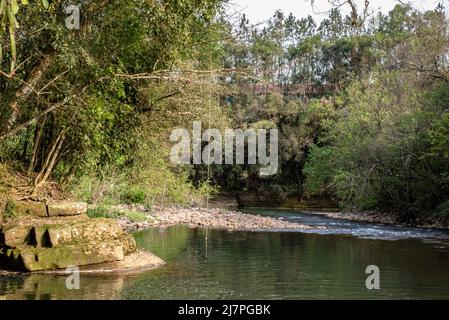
{"x":227,"y":219}
{"x":211,"y":218}
{"x":388,"y":218}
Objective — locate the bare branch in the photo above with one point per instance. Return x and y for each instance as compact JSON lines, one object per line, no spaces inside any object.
{"x":33,"y":120}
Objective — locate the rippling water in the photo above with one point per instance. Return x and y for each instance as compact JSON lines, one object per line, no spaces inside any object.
{"x":357,"y":229}
{"x":312,"y":264}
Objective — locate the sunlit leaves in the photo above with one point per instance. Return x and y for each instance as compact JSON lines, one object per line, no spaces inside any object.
{"x":9,"y":9}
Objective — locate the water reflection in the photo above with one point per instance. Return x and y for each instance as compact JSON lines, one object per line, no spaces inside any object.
{"x":49,"y":287}
{"x":245,"y":265}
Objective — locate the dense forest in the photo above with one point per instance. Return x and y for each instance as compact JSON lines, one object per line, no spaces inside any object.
{"x":361,"y":101}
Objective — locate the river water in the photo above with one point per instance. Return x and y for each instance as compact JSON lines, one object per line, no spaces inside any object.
{"x":301,"y":264}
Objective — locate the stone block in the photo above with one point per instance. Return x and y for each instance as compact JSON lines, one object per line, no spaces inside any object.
{"x":34,"y":209}
{"x":90,"y":230}
{"x":13,"y":236}
{"x":35,"y":259}
{"x":66,"y":209}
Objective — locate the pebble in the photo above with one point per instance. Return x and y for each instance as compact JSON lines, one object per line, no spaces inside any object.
{"x":211,"y":218}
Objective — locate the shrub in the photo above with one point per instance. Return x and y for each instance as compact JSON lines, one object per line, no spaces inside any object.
{"x":443,"y":209}
{"x":10,"y":209}
{"x":105,"y":212}
{"x":133,"y":194}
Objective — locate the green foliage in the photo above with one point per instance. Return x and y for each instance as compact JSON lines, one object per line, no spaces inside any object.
{"x":135,"y":194}
{"x":155,"y":183}
{"x":319,"y":170}
{"x":443,"y":209}
{"x":107,"y":117}
{"x":389,"y":147}
{"x":10,"y":209}
{"x":361,"y":109}
{"x":106,"y":212}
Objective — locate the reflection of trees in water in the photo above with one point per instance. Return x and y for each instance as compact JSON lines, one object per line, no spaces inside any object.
{"x":166,"y":243}
{"x":52,"y":287}
{"x":255,"y":265}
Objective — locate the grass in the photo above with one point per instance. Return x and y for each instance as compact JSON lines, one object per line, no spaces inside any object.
{"x":10,"y":209}
{"x":104,"y":212}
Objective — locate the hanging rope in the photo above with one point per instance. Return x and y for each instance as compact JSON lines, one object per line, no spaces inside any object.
{"x":209,"y":119}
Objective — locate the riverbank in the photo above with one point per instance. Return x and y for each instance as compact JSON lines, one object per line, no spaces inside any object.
{"x":323,"y":207}
{"x":221,"y":219}
{"x":385,"y":217}
{"x":230,"y":219}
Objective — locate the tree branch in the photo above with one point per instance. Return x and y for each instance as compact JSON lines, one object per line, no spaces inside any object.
{"x":33,"y":120}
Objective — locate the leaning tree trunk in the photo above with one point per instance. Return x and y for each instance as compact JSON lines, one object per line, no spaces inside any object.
{"x":37,"y":139}
{"x":25,"y":91}
{"x":49,"y":164}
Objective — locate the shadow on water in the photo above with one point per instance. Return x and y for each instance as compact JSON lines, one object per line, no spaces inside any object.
{"x":207,"y":264}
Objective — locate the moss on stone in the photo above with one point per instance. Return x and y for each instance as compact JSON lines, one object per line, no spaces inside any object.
{"x":35,"y":259}
{"x":36,"y":246}
{"x":18,"y":209}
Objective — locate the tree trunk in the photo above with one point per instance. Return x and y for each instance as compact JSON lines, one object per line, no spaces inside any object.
{"x":25,"y":145}
{"x":37,"y":139}
{"x":25,"y":91}
{"x":49,"y":163}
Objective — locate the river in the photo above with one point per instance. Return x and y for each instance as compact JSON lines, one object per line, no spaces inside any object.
{"x":313,"y":264}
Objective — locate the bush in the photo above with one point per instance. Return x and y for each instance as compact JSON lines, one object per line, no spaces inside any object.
{"x":443,"y":209}
{"x":149,"y":187}
{"x":105,"y":212}
{"x":134,"y":194}
{"x":10,"y":209}
{"x":387,"y":149}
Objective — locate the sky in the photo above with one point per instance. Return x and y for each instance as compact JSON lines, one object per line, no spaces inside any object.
{"x":259,"y":11}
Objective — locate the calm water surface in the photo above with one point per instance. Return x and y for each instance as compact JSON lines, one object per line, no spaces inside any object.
{"x":300,"y":264}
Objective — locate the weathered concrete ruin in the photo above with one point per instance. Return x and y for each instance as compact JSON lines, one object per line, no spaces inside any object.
{"x":55,"y":236}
